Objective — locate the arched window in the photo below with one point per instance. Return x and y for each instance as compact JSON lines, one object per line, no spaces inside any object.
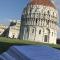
{"x":48,"y":22}
{"x":44,"y":13}
{"x":39,"y":31}
{"x":32,"y":30}
{"x":36,"y":20}
{"x":48,"y":13}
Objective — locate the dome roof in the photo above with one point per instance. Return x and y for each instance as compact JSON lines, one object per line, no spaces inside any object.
{"x":42,"y":2}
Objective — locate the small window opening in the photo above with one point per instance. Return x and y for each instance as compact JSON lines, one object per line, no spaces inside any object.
{"x":32,"y":30}
{"x":39,"y":31}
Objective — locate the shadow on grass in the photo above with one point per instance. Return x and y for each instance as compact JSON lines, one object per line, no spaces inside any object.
{"x":5,"y":46}
{"x":56,"y":48}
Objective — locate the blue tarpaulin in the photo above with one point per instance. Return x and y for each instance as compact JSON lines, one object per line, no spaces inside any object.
{"x":31,"y":52}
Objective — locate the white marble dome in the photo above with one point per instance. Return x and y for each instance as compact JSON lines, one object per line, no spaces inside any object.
{"x":39,"y":21}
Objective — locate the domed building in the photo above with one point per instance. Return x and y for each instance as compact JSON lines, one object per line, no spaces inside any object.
{"x":39,"y":21}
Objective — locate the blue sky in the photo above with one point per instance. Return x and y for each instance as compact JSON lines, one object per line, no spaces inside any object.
{"x":57,"y":2}
{"x":12,"y":9}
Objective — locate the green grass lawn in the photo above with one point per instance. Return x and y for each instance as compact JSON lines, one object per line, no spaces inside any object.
{"x":5,"y":43}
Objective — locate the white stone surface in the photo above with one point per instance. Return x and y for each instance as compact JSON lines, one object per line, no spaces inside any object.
{"x":39,"y":17}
